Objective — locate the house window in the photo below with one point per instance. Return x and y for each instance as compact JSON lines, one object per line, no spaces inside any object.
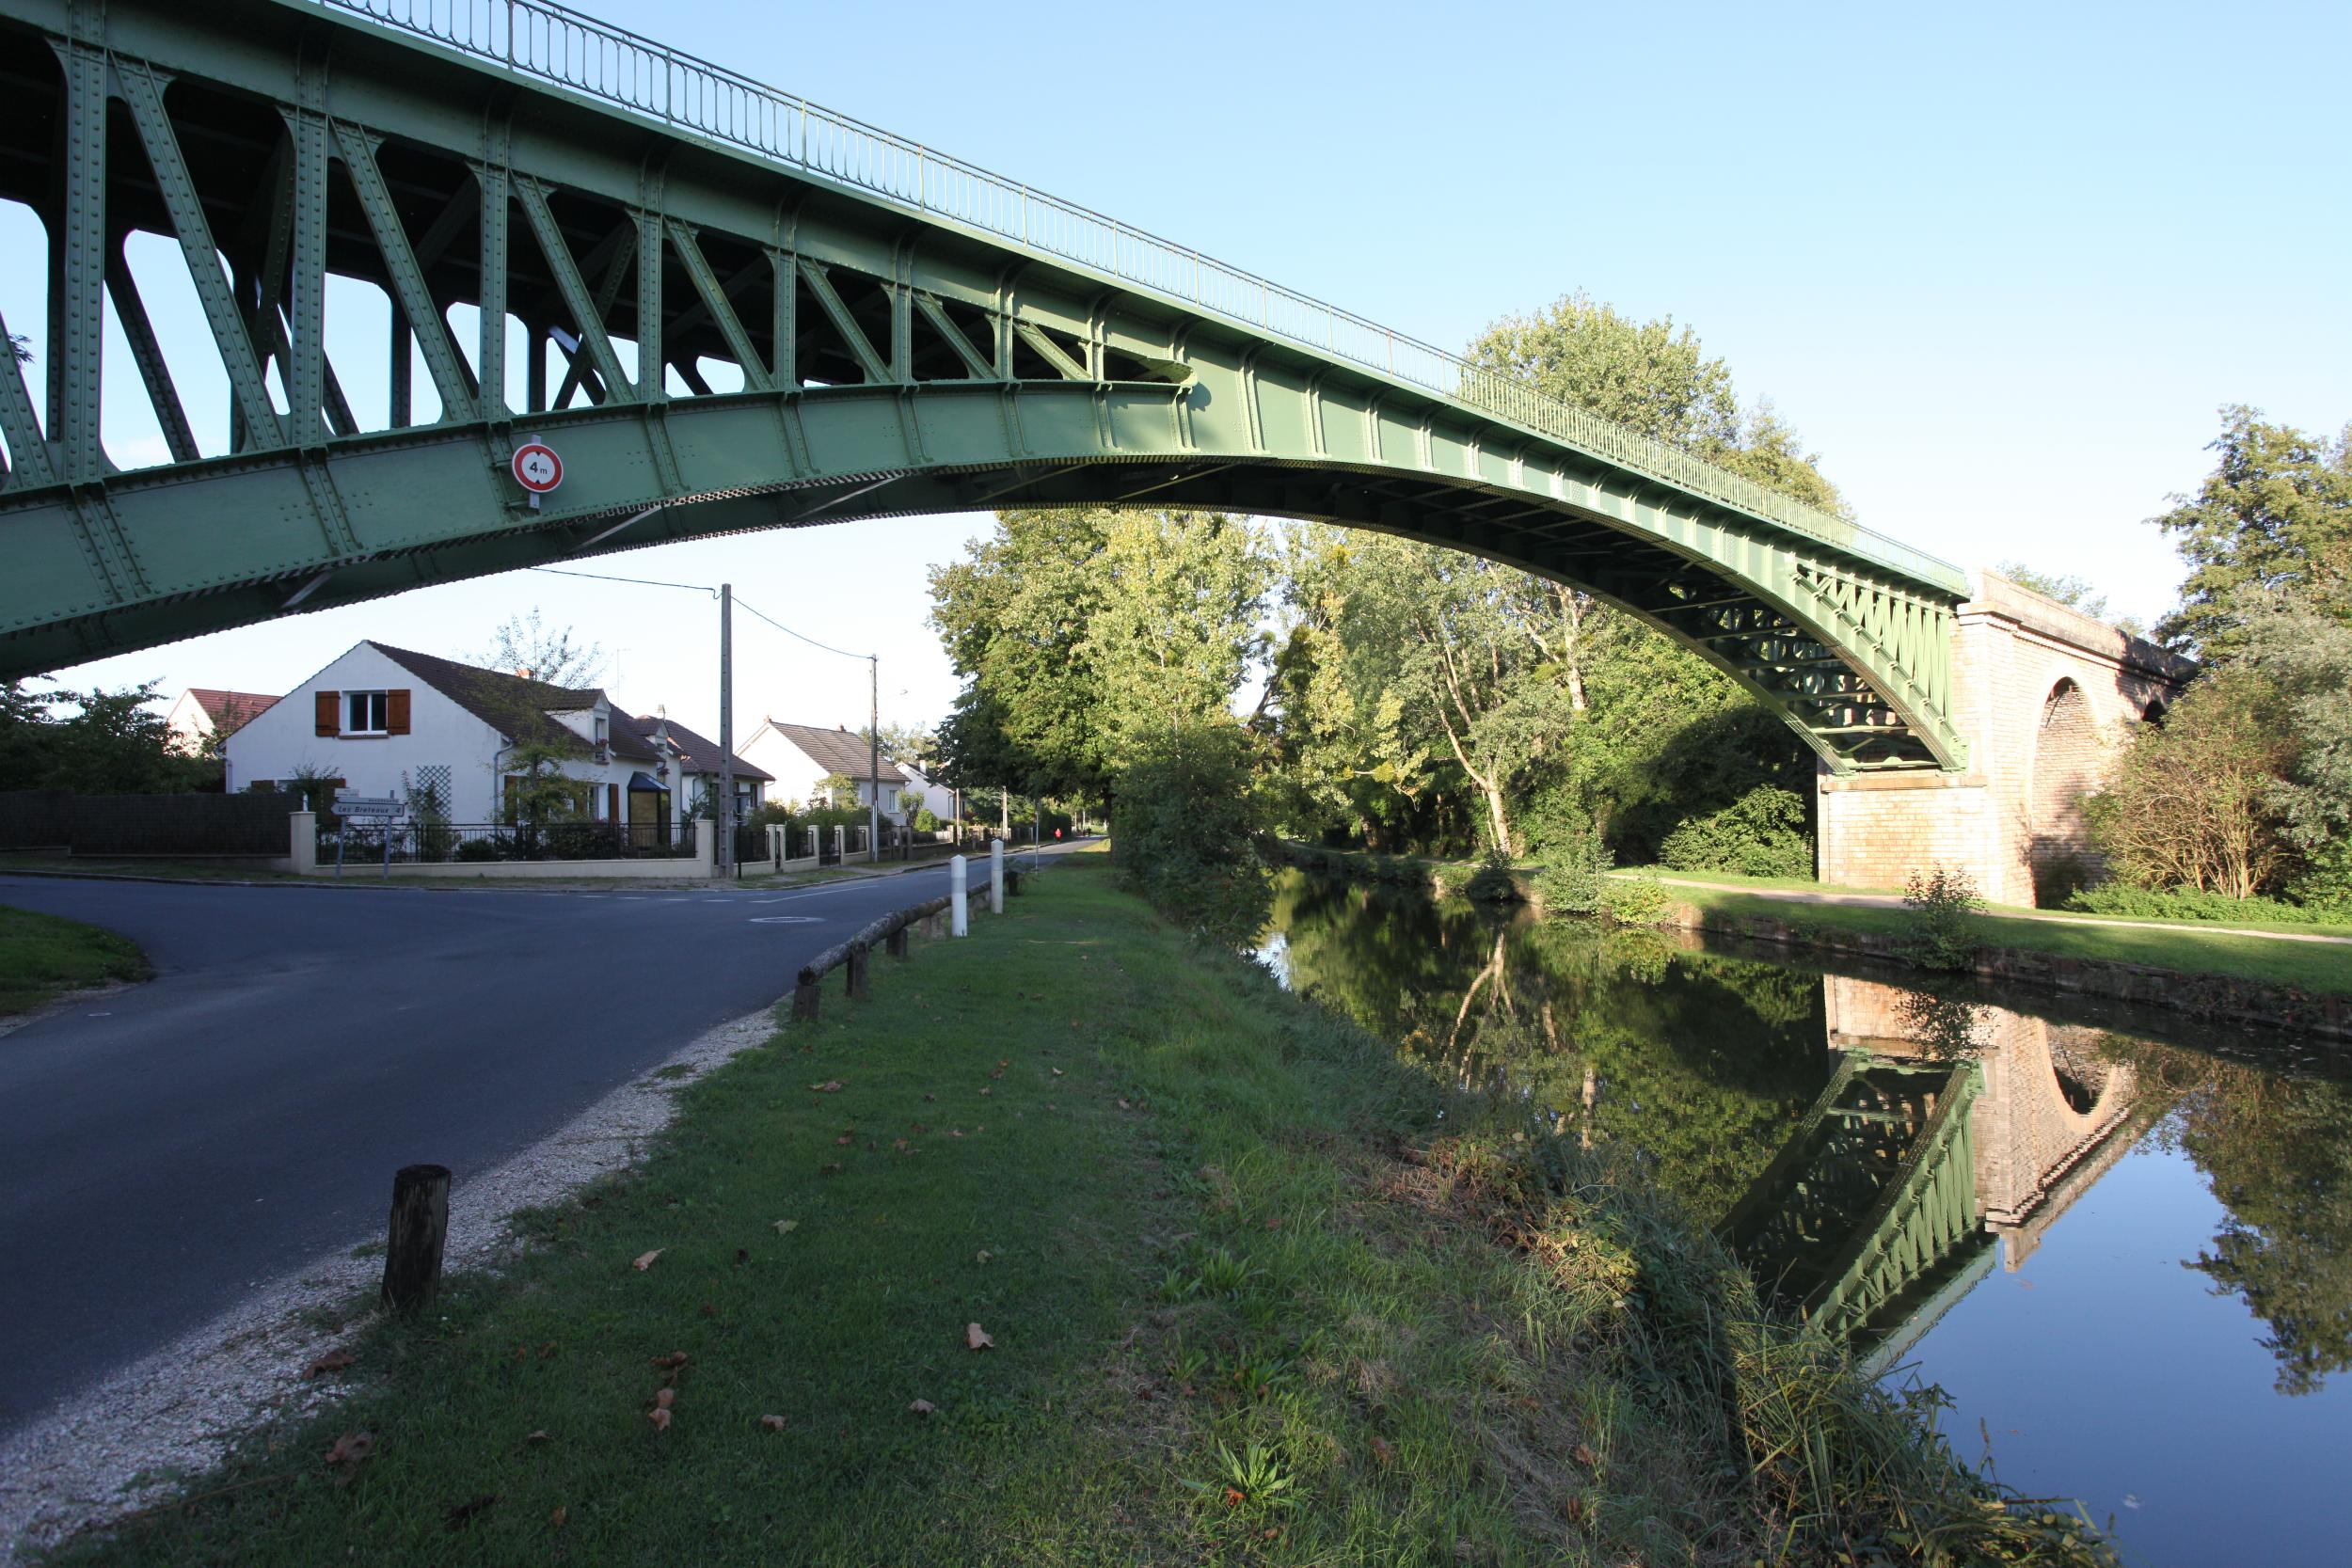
{"x":366,"y":712}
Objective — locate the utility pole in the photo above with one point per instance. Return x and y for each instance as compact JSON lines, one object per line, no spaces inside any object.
{"x":722,"y":810}
{"x":873,"y":756}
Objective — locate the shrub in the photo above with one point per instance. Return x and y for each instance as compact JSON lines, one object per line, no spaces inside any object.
{"x":1571,"y":861}
{"x":1636,"y":900}
{"x":1760,"y":834}
{"x":2195,"y":803}
{"x":1189,"y":819}
{"x":1941,"y":930}
{"x":2180,"y":903}
{"x":472,"y":850}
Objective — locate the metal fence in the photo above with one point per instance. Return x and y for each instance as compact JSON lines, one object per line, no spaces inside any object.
{"x":559,"y":46}
{"x":182,"y":826}
{"x":361,"y":842}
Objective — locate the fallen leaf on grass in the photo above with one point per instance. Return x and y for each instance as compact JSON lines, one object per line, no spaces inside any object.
{"x":774,"y":1423}
{"x":898,"y":1143}
{"x":664,"y":1398}
{"x":555,"y":1520}
{"x":675,"y":1359}
{"x":351,"y":1448}
{"x":645,"y":1260}
{"x":1233,"y":1497}
{"x":547,"y":1352}
{"x":785,"y":1228}
{"x":1002,"y":1062}
{"x":1585,"y":1457}
{"x":1381,"y":1451}
{"x":831,"y":1085}
{"x":977,"y":1338}
{"x":831,"y":1169}
{"x":539,"y":1436}
{"x":987,"y":1091}
{"x":1124,"y":1106}
{"x":844,"y":1138}
{"x":459,"y":1516}
{"x":335,"y":1360}
{"x":1058,"y":1073}
{"x":954,"y":1131}
{"x":930,"y":1097}
{"x":984,"y":1255}
{"x":923,"y":1407}
{"x":1576,"y":1510}
{"x":661,"y":1420}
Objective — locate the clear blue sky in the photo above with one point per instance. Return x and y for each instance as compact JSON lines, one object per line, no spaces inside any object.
{"x":1999,"y":265}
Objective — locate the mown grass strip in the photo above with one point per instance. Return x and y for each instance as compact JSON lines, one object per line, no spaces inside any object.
{"x":42,"y":956}
{"x":2318,"y":967}
{"x":1234,"y":1317}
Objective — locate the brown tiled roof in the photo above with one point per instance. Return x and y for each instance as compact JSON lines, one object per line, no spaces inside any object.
{"x":836,"y":750}
{"x":515,"y":707}
{"x":229,"y":711}
{"x":696,"y":755}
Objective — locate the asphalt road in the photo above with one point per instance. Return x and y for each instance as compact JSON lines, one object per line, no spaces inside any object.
{"x":168,"y":1147}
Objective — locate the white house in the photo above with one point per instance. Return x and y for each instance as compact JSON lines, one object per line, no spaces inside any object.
{"x":388,"y":721}
{"x":203,"y":712}
{"x":693,"y":772}
{"x":937,"y":798}
{"x":800,"y":758}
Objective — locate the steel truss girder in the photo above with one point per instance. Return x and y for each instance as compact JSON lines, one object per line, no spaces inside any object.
{"x":837,"y":414}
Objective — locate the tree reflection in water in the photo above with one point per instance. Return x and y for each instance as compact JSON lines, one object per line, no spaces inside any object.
{"x":1710,"y":1065}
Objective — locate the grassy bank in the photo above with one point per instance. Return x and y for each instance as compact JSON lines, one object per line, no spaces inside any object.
{"x":1244,"y":1305}
{"x":2321,"y":968}
{"x":42,"y":956}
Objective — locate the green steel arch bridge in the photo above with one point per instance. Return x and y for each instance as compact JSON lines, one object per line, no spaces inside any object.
{"x":727,"y":308}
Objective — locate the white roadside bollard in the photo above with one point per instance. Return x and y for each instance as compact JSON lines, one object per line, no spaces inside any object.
{"x":995,"y":876}
{"x":957,"y":902}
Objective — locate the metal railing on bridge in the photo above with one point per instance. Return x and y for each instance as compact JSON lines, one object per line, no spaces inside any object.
{"x":564,"y":48}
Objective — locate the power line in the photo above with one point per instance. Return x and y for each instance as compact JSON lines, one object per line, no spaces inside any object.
{"x":642,"y":582}
{"x":788,"y":631}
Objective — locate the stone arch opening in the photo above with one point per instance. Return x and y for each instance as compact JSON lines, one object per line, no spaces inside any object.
{"x":2066,"y":765}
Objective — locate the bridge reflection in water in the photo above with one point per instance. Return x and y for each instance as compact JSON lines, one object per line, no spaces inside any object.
{"x":1945,"y":1140}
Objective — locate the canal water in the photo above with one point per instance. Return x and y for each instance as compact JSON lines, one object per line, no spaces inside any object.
{"x":2120,"y":1244}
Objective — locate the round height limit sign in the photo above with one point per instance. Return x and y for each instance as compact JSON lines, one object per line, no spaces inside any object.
{"x":537,"y":469}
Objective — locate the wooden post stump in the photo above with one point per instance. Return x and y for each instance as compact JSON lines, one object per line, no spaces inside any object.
{"x":805,"y":997}
{"x":1013,"y":882}
{"x":897,"y":943}
{"x":419,"y":1225}
{"x":857,"y":967}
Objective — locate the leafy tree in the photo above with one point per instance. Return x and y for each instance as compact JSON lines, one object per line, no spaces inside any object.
{"x":2074,"y":591}
{"x":110,"y":743}
{"x":2275,"y":515}
{"x":2194,"y":802}
{"x":1650,"y":376}
{"x":2306,"y":656}
{"x":549,"y":654}
{"x":1189,"y":817}
{"x":1078,"y":632}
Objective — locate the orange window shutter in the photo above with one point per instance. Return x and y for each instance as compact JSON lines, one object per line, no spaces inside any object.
{"x":329,"y":714}
{"x":396,"y":711}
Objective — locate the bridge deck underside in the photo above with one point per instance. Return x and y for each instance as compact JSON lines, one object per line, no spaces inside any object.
{"x":737,"y":344}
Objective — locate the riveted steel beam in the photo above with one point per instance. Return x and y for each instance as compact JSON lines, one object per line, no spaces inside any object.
{"x":1850,"y":646}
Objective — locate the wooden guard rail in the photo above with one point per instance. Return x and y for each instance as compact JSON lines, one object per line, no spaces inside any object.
{"x":891,"y":931}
